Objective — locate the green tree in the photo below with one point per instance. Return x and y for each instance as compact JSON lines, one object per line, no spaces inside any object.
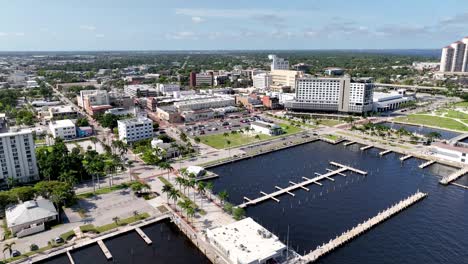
{"x":167,"y":190}
{"x":8,"y":247}
{"x":223,"y":196}
{"x":238,"y":213}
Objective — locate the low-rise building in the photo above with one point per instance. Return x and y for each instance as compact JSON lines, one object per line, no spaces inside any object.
{"x":198,"y":115}
{"x":30,"y":217}
{"x":119,"y":111}
{"x":168,"y":88}
{"x":205,"y":103}
{"x":135,"y":129}
{"x":390,"y":101}
{"x":141,"y":90}
{"x":269,"y":129}
{"x":151,"y":104}
{"x":247,"y":242}
{"x":450,"y":152}
{"x":64,"y":129}
{"x":94,"y":97}
{"x":168,"y":150}
{"x":63,"y":112}
{"x":168,"y":113}
{"x":196,"y":171}
{"x":262,"y":81}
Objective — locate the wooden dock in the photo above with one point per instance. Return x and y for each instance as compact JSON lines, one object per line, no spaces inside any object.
{"x":454,"y":176}
{"x":406,"y":157}
{"x":425,"y":164}
{"x":144,"y":236}
{"x":70,"y":258}
{"x":104,"y":249}
{"x":349,"y":143}
{"x":385,"y":152}
{"x":360,"y":228}
{"x":294,"y":186}
{"x":366,"y":147}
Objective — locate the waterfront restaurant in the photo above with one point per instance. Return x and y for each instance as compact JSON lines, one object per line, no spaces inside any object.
{"x":247,"y":242}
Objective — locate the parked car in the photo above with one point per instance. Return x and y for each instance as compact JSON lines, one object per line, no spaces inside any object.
{"x":58,"y":240}
{"x":15,"y":253}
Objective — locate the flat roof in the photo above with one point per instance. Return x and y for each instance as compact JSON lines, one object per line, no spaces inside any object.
{"x":62,"y":123}
{"x":264,"y":124}
{"x":247,"y":241}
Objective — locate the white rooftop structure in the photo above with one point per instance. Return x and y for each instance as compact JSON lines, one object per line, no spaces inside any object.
{"x":196,"y":170}
{"x":246,"y":242}
{"x":30,"y":216}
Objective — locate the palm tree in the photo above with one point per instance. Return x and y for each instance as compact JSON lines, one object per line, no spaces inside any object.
{"x":191,"y":184}
{"x":166,"y":166}
{"x":228,"y":142}
{"x":167,"y":190}
{"x":201,"y":186}
{"x":179,"y":181}
{"x":190,"y":212}
{"x":129,"y":166}
{"x":8,"y":247}
{"x":209,"y":186}
{"x":183,"y":205}
{"x":174,"y":195}
{"x":223,"y":196}
{"x":136,"y":213}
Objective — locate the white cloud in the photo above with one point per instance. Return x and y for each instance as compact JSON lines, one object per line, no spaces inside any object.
{"x":99,"y":35}
{"x":2,"y":34}
{"x":239,"y":13}
{"x":181,"y":35}
{"x":19,"y":34}
{"x":197,"y":19}
{"x":88,"y":27}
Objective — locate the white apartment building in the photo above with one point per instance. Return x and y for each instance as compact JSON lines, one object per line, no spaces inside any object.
{"x":262,"y":81}
{"x":135,"y":129}
{"x":64,"y":129}
{"x":166,"y":88}
{"x":204,"y":103}
{"x":18,"y":157}
{"x":454,"y":57}
{"x":95,"y":97}
{"x":332,"y":94}
{"x":278,"y":63}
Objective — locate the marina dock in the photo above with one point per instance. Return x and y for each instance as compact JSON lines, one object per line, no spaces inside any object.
{"x":366,"y":147}
{"x":70,"y":258}
{"x":104,"y":249}
{"x":307,"y":181}
{"x":349,"y":143}
{"x":406,"y":157}
{"x":385,"y":152}
{"x":425,"y":164}
{"x":360,"y":228}
{"x":454,"y":176}
{"x":144,"y":236}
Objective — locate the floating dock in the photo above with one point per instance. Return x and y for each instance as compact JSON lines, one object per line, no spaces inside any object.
{"x":360,"y":228}
{"x":425,"y":164}
{"x":385,"y":152}
{"x":366,"y":147}
{"x":454,"y":176}
{"x":144,"y":236}
{"x":307,"y":181}
{"x":406,"y":157}
{"x":104,"y":249}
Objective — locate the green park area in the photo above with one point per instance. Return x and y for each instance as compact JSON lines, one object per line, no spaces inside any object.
{"x":434,"y":121}
{"x":236,"y":139}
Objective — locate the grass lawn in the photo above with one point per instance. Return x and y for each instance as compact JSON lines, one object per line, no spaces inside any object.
{"x":121,"y":222}
{"x":330,"y":122}
{"x":104,"y":190}
{"x":332,"y":137}
{"x":219,"y":140}
{"x":456,"y":114}
{"x":461,"y":104}
{"x":433,"y":121}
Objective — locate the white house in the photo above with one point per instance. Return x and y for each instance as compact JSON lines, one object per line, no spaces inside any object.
{"x":64,"y":129}
{"x":247,"y":242}
{"x":30,"y":217}
{"x":266,"y":128}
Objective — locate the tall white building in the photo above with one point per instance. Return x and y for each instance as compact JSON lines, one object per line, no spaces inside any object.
{"x":262,"y":81}
{"x":278,"y":63}
{"x":168,"y":88}
{"x":95,"y":97}
{"x":18,"y":157}
{"x":333,"y":94}
{"x":64,"y":129}
{"x":135,"y":129}
{"x":454,"y":57}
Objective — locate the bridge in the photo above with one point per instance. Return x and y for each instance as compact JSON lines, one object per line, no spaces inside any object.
{"x":294,"y":186}
{"x":360,"y":228}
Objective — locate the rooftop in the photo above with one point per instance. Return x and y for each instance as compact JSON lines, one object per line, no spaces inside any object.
{"x":29,"y":211}
{"x":62,"y":123}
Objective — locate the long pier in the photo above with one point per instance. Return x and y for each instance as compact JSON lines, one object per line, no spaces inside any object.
{"x":70,"y":258}
{"x":349,"y":143}
{"x":406,"y":157}
{"x":104,"y":249}
{"x":454,"y":176}
{"x":425,"y":164}
{"x":360,"y":228}
{"x":307,"y":181}
{"x":385,"y":152}
{"x":144,"y":236}
{"x":366,"y":147}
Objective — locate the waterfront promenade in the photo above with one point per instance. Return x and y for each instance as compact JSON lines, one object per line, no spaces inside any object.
{"x":360,"y":228}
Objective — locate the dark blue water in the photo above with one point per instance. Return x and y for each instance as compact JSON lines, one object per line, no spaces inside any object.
{"x":445,"y":134}
{"x":59,"y":259}
{"x":432,"y":231}
{"x":169,"y":246}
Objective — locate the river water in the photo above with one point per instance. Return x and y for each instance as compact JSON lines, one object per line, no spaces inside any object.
{"x":445,"y":134}
{"x":432,"y":231}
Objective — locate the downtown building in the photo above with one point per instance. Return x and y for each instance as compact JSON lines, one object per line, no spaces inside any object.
{"x":135,"y":129}
{"x":333,"y":95}
{"x":18,"y":157}
{"x":278,"y":63}
{"x":454,"y":57}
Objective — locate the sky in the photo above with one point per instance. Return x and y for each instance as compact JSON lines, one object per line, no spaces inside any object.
{"x":52,"y":25}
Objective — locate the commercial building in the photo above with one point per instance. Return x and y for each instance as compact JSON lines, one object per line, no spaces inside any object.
{"x":333,"y":71}
{"x":265,"y":128}
{"x":141,"y":90}
{"x":204,"y":103}
{"x":167,"y":88}
{"x":168,"y":113}
{"x":64,"y":129}
{"x":31,"y":84}
{"x":390,"y":101}
{"x":94,"y":97}
{"x":18,"y":157}
{"x":135,"y":129}
{"x":30,"y":217}
{"x":420,"y":66}
{"x":284,"y":78}
{"x":271,"y":102}
{"x":167,"y":150}
{"x":278,"y":63}
{"x":201,"y":79}
{"x":450,"y":152}
{"x":262,"y":81}
{"x":63,"y":112}
{"x":247,"y":242}
{"x":454,"y":57}
{"x":333,"y":95}
{"x":119,"y":111}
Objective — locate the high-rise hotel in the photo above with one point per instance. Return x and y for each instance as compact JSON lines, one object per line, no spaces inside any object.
{"x":455,"y":57}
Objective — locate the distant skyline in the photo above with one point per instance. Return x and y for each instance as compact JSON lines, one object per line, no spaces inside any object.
{"x":51,"y":25}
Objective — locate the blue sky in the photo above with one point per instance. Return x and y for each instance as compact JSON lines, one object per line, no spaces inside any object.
{"x":242,"y":24}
